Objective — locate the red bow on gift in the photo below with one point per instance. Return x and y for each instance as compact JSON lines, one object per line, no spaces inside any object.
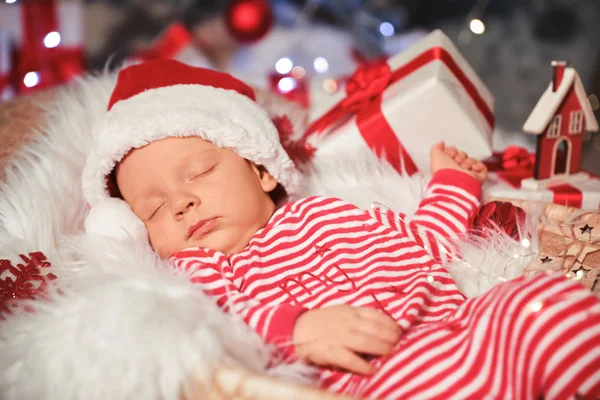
{"x":365,"y":85}
{"x":515,"y":157}
{"x":364,"y":92}
{"x":512,"y":165}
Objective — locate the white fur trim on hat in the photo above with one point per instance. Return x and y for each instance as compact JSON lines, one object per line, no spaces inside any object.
{"x":223,"y":117}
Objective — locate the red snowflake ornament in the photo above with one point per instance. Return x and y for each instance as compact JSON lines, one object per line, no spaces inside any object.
{"x":25,"y":281}
{"x":299,"y":151}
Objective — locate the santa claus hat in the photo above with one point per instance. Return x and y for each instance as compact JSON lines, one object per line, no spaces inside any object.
{"x":166,"y":98}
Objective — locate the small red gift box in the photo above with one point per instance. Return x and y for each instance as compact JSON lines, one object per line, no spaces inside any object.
{"x":509,"y":168}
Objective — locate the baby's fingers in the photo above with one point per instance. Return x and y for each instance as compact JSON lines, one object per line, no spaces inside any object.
{"x":468,"y":163}
{"x":380,"y":332}
{"x":478,"y":166}
{"x":460,"y":157}
{"x":451,"y":151}
{"x":365,"y":344}
{"x":350,"y":361}
{"x":371,"y":314}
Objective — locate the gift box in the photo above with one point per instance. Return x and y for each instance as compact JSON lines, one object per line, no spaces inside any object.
{"x":46,"y":39}
{"x":509,"y":168}
{"x":399,"y":108}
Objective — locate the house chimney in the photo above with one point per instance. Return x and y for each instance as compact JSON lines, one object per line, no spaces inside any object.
{"x":558,"y":71}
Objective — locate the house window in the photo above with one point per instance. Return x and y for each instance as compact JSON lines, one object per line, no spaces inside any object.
{"x":554,"y":127}
{"x":576,"y":122}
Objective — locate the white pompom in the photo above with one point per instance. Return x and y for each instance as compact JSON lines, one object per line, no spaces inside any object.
{"x":114,"y":218}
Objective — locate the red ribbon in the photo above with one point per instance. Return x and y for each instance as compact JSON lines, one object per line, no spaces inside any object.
{"x":566,"y":195}
{"x":364,"y":97}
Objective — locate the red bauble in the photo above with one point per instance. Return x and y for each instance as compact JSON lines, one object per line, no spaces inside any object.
{"x":499,"y":215}
{"x":248,"y":20}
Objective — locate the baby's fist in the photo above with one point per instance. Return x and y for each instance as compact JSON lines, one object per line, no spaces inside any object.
{"x":443,"y":157}
{"x":341,"y":336}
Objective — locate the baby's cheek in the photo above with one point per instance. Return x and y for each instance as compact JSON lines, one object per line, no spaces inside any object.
{"x":166,"y":241}
{"x":156,"y":239}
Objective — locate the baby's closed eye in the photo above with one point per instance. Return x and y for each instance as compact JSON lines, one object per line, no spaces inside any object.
{"x":200,"y":173}
{"x":150,"y":209}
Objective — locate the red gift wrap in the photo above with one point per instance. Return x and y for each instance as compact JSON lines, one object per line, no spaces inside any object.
{"x":43,"y":46}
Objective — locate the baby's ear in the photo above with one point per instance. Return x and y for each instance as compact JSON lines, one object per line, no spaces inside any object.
{"x":267,"y":182}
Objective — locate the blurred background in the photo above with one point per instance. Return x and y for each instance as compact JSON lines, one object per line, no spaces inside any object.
{"x":304,"y":49}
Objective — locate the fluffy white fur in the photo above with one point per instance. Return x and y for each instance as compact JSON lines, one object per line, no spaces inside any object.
{"x":123,"y":326}
{"x":114,"y":218}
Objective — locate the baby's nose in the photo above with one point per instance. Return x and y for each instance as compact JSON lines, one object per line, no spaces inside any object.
{"x":184,"y":206}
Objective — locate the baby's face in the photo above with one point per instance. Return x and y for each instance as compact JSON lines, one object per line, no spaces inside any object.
{"x":191,"y":193}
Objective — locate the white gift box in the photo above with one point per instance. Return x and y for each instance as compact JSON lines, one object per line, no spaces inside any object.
{"x":438,"y":97}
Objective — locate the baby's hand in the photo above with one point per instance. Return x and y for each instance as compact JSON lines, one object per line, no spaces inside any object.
{"x":340,"y":337}
{"x":443,"y":157}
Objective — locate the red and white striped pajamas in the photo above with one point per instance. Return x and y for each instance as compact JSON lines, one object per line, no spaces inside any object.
{"x":525,"y":339}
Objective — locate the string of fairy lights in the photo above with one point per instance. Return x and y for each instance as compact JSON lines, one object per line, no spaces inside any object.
{"x":524,"y":254}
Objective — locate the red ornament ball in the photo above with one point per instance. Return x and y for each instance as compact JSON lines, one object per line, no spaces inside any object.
{"x":248,"y":20}
{"x":499,"y":216}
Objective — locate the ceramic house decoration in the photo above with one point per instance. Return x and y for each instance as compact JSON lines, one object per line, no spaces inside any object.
{"x":559,"y":120}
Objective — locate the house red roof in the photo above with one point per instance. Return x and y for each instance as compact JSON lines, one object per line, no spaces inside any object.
{"x":550,"y":101}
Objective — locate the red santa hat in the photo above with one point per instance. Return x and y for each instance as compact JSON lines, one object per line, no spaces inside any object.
{"x":166,"y":98}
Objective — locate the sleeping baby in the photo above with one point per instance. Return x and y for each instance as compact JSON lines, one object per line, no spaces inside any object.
{"x":362,"y":295}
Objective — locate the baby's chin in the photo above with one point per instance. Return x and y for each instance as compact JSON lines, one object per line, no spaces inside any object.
{"x":217,"y":241}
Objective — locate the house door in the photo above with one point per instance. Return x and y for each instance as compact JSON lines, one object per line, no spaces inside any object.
{"x":562,"y":156}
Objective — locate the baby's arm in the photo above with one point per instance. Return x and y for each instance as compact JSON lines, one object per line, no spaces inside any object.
{"x":443,"y":215}
{"x":273,"y":322}
{"x":333,"y":336}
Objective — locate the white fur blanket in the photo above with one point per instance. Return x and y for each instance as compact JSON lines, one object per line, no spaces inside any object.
{"x":122,"y":327}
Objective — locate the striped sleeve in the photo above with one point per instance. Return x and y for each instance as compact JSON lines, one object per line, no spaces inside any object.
{"x":443,"y":215}
{"x":274,"y":323}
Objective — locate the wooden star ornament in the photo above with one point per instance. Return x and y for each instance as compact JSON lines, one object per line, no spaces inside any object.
{"x":586,"y":229}
{"x":545,"y":260}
